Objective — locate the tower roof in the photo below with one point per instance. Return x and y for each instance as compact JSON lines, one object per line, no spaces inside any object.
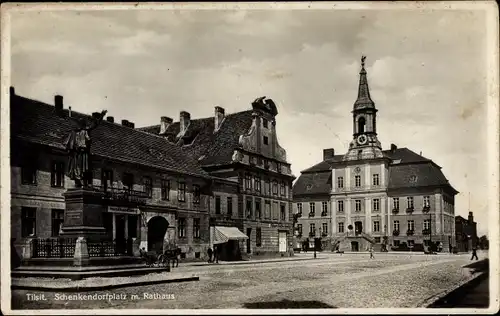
{"x":364,"y":100}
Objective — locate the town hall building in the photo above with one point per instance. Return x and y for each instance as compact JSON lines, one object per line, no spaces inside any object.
{"x":371,"y":196}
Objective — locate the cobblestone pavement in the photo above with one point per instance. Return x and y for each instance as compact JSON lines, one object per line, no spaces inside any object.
{"x":348,"y":281}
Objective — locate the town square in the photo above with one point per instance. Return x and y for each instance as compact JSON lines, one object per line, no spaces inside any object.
{"x":244,"y":159}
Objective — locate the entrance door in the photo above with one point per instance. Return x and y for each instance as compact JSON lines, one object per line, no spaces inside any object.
{"x":282,"y":241}
{"x":358,"y":227}
{"x":120,"y":234}
{"x":157,"y":227}
{"x":249,"y":234}
{"x":354,"y":246}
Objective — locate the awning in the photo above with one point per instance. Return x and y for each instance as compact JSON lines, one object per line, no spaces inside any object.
{"x":222,"y":234}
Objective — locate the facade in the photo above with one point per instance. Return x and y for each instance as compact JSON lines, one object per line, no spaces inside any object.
{"x":466,"y":233}
{"x":393,"y":197}
{"x":173,"y":186}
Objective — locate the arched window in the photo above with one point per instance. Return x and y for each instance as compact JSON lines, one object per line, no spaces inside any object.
{"x":361,"y":125}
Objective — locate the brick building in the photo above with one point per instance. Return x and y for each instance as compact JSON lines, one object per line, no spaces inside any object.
{"x":466,"y":233}
{"x":373,"y":196}
{"x":174,"y":183}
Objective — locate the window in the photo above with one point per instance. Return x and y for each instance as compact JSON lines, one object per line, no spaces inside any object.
{"x":128,"y":180}
{"x":57,"y":221}
{"x":57,"y":174}
{"x":340,"y":206}
{"x":181,"y":228}
{"x":258,"y":237}
{"x":411,"y":225}
{"x":264,"y":122}
{"x":396,"y":225}
{"x":340,"y":182}
{"x":299,"y":208}
{"x":258,"y":214}
{"x":376,"y":226}
{"x":299,"y":229}
{"x":282,"y":188}
{"x":283,"y":212}
{"x":28,"y":221}
{"x":249,"y":208}
{"x":248,"y":181}
{"x":107,"y":179}
{"x":257,"y":183}
{"x":275,"y":187}
{"x":395,"y":203}
{"x":376,"y":179}
{"x":229,"y":205}
{"x":427,"y":224}
{"x":196,"y":194}
{"x":181,"y":192}
{"x":357,"y":205}
{"x":312,"y":208}
{"x":267,"y":211}
{"x":312,"y":229}
{"x":165,"y":189}
{"x":148,"y":186}
{"x":410,"y":201}
{"x":267,"y":187}
{"x":324,"y":208}
{"x":217,"y":205}
{"x":324,"y":229}
{"x":376,"y":205}
{"x":28,"y":173}
{"x":427,"y":201}
{"x":196,"y":228}
{"x":341,"y":227}
{"x":357,"y":181}
{"x":275,"y":210}
{"x":266,"y":140}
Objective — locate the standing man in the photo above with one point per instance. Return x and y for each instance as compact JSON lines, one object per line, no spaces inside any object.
{"x":209,"y":252}
{"x":216,"y":253}
{"x":474,"y":253}
{"x":371,"y":252}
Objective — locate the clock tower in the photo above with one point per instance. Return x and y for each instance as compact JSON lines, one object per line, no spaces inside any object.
{"x":365,"y":144}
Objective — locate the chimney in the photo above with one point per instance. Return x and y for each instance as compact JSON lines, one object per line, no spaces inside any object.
{"x":95,"y":114}
{"x":12,"y":91}
{"x":164,"y":124}
{"x":219,"y":117}
{"x":393,"y":147}
{"x":69,"y":111}
{"x":110,"y":119}
{"x":125,"y":123}
{"x":58,"y":103}
{"x":184,"y":121}
{"x":328,"y":153}
{"x":131,"y":124}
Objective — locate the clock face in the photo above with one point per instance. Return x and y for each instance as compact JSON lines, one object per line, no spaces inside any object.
{"x":362,"y":139}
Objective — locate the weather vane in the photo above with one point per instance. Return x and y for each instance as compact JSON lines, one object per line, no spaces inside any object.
{"x":363,"y":61}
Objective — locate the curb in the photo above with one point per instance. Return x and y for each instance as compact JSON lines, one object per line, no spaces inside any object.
{"x":253,"y":262}
{"x":101,"y":287}
{"x":434,"y":300}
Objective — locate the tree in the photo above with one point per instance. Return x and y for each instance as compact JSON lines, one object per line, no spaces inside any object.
{"x":484,"y":243}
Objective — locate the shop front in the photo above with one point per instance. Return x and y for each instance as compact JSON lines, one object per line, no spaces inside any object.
{"x":228,"y":241}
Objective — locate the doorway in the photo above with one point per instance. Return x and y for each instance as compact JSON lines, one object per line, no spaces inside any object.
{"x":282,"y":241}
{"x":157,"y":228}
{"x":120,"y":238}
{"x":354,"y":246}
{"x":249,"y":240}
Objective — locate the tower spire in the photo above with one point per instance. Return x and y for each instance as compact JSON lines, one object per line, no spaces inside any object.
{"x":364,"y":100}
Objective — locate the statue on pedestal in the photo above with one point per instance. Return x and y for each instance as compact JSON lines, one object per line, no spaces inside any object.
{"x":78,"y":145}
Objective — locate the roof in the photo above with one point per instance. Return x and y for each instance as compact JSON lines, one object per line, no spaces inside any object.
{"x":38,"y":122}
{"x":202,"y":143}
{"x":407,"y":170}
{"x":364,"y":100}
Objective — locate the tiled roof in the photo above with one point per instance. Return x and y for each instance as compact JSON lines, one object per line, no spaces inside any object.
{"x":313,"y":183}
{"x":202,"y":143}
{"x":38,"y":122}
{"x":408,"y":170}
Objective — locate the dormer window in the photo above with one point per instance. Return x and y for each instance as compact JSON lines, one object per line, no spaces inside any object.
{"x":266,"y":140}
{"x":265,"y":123}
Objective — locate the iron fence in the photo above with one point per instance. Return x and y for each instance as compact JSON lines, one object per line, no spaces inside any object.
{"x":54,"y":247}
{"x":110,"y":248}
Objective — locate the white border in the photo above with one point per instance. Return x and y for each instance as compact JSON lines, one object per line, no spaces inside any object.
{"x":492,"y":159}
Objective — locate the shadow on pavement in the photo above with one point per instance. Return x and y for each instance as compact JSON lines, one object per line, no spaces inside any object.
{"x":288,"y":304}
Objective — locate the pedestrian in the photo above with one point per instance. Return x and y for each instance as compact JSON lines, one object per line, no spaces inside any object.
{"x":371,"y":252}
{"x":474,"y":253}
{"x":216,"y":253}
{"x":451,"y":248}
{"x":209,"y":253}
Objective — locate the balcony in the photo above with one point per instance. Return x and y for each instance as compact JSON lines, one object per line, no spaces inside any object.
{"x":409,"y":210}
{"x":395,"y":210}
{"x":311,"y":214}
{"x":395,"y":232}
{"x":426,"y":209}
{"x":323,"y":234}
{"x":312,"y":234}
{"x":409,"y":232}
{"x":324,"y":214}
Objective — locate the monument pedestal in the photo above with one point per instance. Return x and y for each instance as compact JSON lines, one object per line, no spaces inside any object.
{"x":83,"y":215}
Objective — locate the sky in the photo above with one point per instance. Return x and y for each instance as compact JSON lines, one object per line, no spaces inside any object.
{"x":426,"y":72}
